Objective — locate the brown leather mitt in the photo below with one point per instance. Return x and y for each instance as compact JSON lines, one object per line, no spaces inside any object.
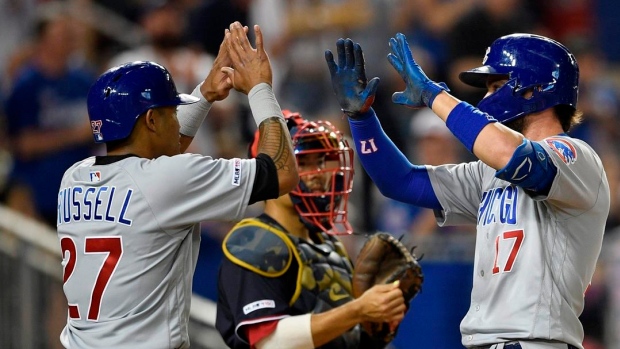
{"x":384,"y":259}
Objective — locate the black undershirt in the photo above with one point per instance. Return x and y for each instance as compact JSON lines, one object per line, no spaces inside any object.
{"x":266,"y":180}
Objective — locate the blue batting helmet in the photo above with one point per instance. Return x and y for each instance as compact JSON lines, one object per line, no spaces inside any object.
{"x":123,"y":93}
{"x":531,"y":62}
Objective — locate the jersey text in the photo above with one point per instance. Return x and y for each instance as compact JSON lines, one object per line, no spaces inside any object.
{"x":498,"y":205}
{"x":77,"y":204}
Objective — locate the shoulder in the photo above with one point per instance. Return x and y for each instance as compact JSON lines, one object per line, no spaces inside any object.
{"x":88,"y":162}
{"x":567,"y":149}
{"x":259,"y":247}
{"x":188,"y":166}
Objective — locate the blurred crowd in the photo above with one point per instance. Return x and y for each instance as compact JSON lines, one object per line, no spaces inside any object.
{"x":52,"y":51}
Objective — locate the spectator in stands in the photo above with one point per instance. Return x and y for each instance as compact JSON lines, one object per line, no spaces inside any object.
{"x":46,"y":110}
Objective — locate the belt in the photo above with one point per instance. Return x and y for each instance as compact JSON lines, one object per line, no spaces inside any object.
{"x":509,"y":345}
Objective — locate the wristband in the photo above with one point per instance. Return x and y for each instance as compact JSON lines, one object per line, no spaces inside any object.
{"x":192,"y":115}
{"x":466,"y":123}
{"x":431,"y":91}
{"x":263,"y":103}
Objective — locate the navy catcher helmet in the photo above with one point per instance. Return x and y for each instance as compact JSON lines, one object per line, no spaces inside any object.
{"x":123,"y":93}
{"x":531,"y":62}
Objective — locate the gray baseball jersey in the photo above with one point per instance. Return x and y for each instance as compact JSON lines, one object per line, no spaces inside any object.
{"x":129,"y":233}
{"x":535,"y":255}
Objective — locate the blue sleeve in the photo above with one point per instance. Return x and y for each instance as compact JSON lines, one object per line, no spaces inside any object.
{"x":389,"y":169}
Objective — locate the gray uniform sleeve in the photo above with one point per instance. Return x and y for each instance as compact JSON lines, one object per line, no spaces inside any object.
{"x":458,"y":189}
{"x":190,"y":188}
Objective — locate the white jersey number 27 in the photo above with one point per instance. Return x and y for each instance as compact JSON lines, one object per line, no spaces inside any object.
{"x":113,"y":247}
{"x":517,"y":236}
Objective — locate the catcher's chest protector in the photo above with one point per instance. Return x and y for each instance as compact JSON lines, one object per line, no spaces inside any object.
{"x":326,"y":271}
{"x":325,"y":283}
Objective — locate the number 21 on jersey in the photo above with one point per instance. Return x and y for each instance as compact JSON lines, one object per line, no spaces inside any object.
{"x":514,"y":237}
{"x":110,"y":245}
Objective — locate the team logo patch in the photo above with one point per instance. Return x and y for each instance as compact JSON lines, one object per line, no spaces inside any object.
{"x":96,"y":127}
{"x":565,"y":150}
{"x":236,"y":177}
{"x":262,"y":304}
{"x":95,"y":176}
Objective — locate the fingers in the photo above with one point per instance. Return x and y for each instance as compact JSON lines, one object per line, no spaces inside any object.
{"x":259,"y":40}
{"x":396,"y":63}
{"x":232,"y":52}
{"x":240,"y":37}
{"x":230,"y":75}
{"x":341,"y":55}
{"x":372,"y":86}
{"x":348,"y":53}
{"x":395,"y":48}
{"x":404,"y":46}
{"x":359,"y":61}
{"x":223,"y":59}
{"x":399,"y":98}
{"x":329,"y":58}
{"x":384,"y":288}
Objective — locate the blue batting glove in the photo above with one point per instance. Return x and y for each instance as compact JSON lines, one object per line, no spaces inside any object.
{"x":420,"y":90}
{"x":354,"y":93}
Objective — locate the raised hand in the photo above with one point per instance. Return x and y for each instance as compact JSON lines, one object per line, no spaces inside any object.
{"x":250,"y":66}
{"x":354,"y":93}
{"x":217,"y":85}
{"x":420,"y":90}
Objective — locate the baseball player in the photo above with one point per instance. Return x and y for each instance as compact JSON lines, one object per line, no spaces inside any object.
{"x":286,"y":280}
{"x":538,"y":197}
{"x":128,"y":222}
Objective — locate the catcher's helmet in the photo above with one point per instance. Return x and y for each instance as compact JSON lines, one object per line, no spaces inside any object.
{"x":324,"y":209}
{"x":123,"y":93}
{"x":531,"y":62}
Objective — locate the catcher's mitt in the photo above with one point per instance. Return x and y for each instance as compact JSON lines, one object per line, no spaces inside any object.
{"x":384,"y":259}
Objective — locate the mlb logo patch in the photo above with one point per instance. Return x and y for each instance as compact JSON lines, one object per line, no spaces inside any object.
{"x":565,"y":150}
{"x":236,"y":176}
{"x":262,"y":304}
{"x":95,"y":176}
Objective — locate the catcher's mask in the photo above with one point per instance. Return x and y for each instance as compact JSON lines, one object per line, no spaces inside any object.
{"x":325,"y":162}
{"x":531,"y":63}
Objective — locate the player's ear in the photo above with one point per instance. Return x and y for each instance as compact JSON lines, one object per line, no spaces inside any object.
{"x":150,"y":120}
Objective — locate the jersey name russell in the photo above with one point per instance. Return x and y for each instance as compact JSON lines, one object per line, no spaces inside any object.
{"x":85,"y":203}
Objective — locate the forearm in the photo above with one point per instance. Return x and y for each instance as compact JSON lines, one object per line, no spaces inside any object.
{"x":491,"y":142}
{"x":275,"y":140}
{"x":312,"y":330}
{"x":191,"y":117}
{"x":333,"y":323}
{"x":404,"y":181}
